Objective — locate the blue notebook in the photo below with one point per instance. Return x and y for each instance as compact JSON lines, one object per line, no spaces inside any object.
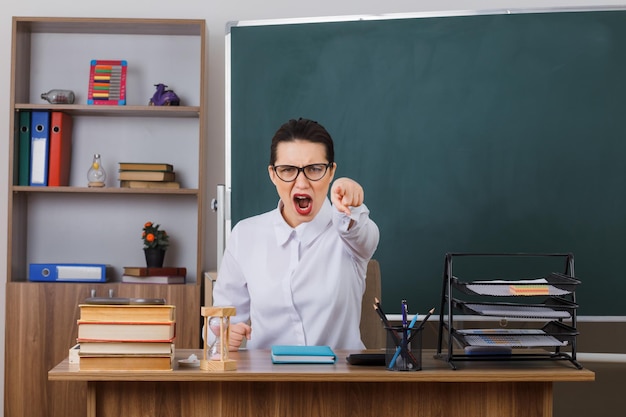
{"x":302,"y":354}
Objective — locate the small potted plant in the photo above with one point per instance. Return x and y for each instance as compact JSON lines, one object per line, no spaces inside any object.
{"x":155,"y":242}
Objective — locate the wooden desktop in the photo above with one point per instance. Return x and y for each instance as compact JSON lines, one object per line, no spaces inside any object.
{"x":259,"y":388}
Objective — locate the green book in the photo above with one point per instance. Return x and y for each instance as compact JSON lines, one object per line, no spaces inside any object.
{"x":23,"y":150}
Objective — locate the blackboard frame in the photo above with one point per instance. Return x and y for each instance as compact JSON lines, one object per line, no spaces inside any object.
{"x":599,"y":267}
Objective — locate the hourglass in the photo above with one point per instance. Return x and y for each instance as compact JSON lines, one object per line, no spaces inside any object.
{"x":215,"y":357}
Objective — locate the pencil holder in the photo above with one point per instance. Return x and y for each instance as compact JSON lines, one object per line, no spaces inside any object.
{"x":404,"y":349}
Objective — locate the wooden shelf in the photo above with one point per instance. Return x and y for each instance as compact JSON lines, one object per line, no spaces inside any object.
{"x":101,"y":225}
{"x":111,"y":26}
{"x":105,"y":190}
{"x":119,"y":111}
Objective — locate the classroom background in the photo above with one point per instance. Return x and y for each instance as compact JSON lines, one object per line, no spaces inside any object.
{"x":217,"y":14}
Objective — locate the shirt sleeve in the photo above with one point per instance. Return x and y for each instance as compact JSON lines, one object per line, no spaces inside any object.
{"x":362,"y":238}
{"x":230,"y":287}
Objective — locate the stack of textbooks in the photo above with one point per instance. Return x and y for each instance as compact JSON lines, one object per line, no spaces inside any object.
{"x":126,"y":336}
{"x":163,"y":275}
{"x":147,"y":175}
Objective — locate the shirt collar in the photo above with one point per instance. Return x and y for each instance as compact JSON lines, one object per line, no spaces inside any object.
{"x":305,"y":232}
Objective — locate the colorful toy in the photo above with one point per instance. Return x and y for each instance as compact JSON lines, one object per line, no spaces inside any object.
{"x":164,"y":97}
{"x":107,"y":82}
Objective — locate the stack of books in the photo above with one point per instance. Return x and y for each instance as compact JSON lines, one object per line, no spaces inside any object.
{"x":147,"y":175}
{"x":126,"y":336}
{"x":163,"y":275}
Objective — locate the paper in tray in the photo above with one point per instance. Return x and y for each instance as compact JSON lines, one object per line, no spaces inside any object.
{"x":516,"y":332}
{"x":553,"y":333}
{"x":514,"y":340}
{"x":553,"y":285}
{"x":508,"y":310}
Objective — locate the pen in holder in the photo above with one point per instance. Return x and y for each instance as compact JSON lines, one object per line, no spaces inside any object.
{"x":404,"y":348}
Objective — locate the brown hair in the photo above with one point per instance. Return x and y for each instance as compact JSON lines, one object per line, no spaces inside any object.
{"x":303,"y":129}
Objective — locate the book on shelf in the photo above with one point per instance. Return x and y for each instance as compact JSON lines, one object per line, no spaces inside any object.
{"x":60,"y":154}
{"x":39,"y":147}
{"x":149,"y":184}
{"x":145,"y":166}
{"x":67,"y":272}
{"x":93,"y":331}
{"x":147,"y":175}
{"x":302,"y":354}
{"x":127,"y":313}
{"x":126,"y":363}
{"x":125,"y":348}
{"x":142,"y":271}
{"x":154,"y":279}
{"x":23,"y":145}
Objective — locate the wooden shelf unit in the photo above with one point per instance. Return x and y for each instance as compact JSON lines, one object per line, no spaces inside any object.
{"x":41,"y":317}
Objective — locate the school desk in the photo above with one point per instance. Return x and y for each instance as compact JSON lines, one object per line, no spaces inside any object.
{"x":259,"y":388}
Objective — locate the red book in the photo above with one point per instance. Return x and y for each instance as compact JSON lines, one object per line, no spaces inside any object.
{"x":142,"y":271}
{"x":60,"y":149}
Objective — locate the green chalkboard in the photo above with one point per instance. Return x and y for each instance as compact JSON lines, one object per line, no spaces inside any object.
{"x":482,"y":133}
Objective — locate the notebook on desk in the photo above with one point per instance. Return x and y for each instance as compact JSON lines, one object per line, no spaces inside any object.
{"x":302,"y":354}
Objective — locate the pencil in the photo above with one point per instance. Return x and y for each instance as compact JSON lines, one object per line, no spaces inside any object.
{"x":381,"y":313}
{"x":412,"y":325}
{"x":422,"y":324}
{"x":383,"y":318}
{"x":430,"y":313}
{"x":392,"y":362}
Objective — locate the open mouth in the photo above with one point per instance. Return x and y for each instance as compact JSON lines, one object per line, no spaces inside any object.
{"x":303,"y":204}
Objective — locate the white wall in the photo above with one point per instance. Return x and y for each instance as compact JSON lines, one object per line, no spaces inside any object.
{"x":216,"y":14}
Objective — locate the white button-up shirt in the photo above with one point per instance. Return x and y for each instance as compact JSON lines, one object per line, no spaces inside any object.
{"x":302,"y":285}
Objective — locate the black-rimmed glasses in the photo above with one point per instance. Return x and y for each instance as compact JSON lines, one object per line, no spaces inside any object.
{"x":313,"y":172}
